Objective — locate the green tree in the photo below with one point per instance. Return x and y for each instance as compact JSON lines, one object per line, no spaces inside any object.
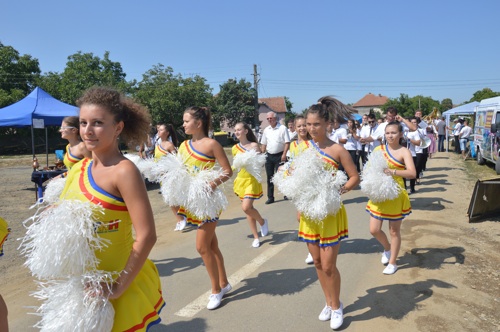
{"x":18,"y":75}
{"x":446,"y":104}
{"x":407,"y":106}
{"x":234,"y":103}
{"x":82,"y":71}
{"x":483,"y":94}
{"x":167,"y":95}
{"x":289,"y":114}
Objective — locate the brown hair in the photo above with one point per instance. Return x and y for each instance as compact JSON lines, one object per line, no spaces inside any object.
{"x":135,"y":117}
{"x":202,"y":114}
{"x":73,"y":121}
{"x":331,"y":109}
{"x":250,"y":134}
{"x":171,"y":133}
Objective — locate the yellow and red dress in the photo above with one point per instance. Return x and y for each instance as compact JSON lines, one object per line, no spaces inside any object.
{"x":332,"y":229}
{"x":160,"y":152}
{"x":395,"y":209}
{"x":69,"y":159}
{"x":245,"y":184}
{"x":4,"y":233}
{"x":138,"y":307}
{"x":296,"y":147}
{"x":196,"y":161}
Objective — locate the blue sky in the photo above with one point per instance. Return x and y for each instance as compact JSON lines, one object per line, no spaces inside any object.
{"x":303,"y":49}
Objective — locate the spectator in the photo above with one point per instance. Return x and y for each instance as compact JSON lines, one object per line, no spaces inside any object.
{"x":441,"y":130}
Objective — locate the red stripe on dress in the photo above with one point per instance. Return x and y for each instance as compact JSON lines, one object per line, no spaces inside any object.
{"x":94,"y":199}
{"x":193,"y":153}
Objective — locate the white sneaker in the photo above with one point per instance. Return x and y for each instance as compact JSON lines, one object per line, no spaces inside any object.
{"x":325,"y":314}
{"x":176,"y":227}
{"x":214,"y":301}
{"x":226,"y":289}
{"x":256,"y":243}
{"x":390,"y":269}
{"x":309,"y":259}
{"x":264,"y":229}
{"x":337,"y":317}
{"x":386,"y":255}
{"x":182,"y":224}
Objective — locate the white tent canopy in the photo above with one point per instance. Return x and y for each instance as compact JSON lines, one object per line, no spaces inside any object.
{"x":462,"y":110}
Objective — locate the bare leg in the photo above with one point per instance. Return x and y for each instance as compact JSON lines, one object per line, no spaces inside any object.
{"x":4,"y":324}
{"x":253,"y":215}
{"x":178,"y":216}
{"x":378,"y":233}
{"x":208,"y":248}
{"x":395,"y":231}
{"x":325,"y":261}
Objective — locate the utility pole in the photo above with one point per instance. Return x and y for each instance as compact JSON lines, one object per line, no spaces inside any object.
{"x":256,"y":97}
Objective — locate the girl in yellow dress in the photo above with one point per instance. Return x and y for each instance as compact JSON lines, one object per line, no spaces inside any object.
{"x":4,"y":232}
{"x":75,"y":150}
{"x":400,"y":165}
{"x":114,"y":182}
{"x":201,"y":152}
{"x":245,"y":185}
{"x":169,"y":143}
{"x":302,"y":136}
{"x":323,"y":236}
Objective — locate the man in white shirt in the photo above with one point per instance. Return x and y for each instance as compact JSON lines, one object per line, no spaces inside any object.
{"x":464,"y":136}
{"x":456,"y":133}
{"x":366,"y":135}
{"x":339,"y":133}
{"x":275,"y":143}
{"x":291,"y":129}
{"x":391,"y":116}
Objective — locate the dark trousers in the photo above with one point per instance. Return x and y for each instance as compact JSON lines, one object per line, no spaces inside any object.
{"x":457,"y":144}
{"x":272,"y":163}
{"x":363,"y":154}
{"x":355,"y":157}
{"x":412,"y":181}
{"x":441,"y":139}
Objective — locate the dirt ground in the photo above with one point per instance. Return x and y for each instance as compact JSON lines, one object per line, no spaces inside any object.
{"x":459,"y":261}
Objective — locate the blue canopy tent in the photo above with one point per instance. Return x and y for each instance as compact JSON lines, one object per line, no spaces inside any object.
{"x":36,"y":110}
{"x":462,"y":110}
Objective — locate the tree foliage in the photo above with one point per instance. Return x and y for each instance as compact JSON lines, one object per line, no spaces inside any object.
{"x":446,"y":104}
{"x":167,"y":95}
{"x":18,"y":74}
{"x":483,"y":94}
{"x":407,"y":106}
{"x":234,"y":103}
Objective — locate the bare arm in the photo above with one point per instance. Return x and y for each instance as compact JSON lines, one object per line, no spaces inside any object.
{"x":349,"y":167}
{"x":283,"y":156}
{"x":221,"y":158}
{"x":133,"y":192}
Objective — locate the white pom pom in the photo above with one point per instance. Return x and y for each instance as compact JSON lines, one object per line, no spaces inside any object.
{"x":61,"y":240}
{"x":202,"y":201}
{"x":53,"y":190}
{"x":252,"y":161}
{"x":74,"y":304}
{"x":144,"y":165}
{"x":315,"y":190}
{"x":174,"y":177}
{"x":377,"y":185}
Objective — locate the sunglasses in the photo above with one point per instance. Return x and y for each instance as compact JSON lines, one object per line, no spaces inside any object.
{"x":269,"y":118}
{"x":371,"y":121}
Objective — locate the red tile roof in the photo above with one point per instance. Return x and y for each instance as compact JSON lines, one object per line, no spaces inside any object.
{"x":277,"y":104}
{"x":371,"y":100}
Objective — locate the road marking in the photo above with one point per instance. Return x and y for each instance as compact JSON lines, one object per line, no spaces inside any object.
{"x":201,"y":302}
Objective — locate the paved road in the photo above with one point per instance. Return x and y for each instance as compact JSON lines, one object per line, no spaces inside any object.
{"x":273,"y":289}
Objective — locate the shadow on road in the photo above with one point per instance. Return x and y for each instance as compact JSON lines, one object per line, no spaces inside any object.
{"x":360,"y":246}
{"x":195,"y":324}
{"x":391,"y":301}
{"x":278,"y":282}
{"x":428,"y":203}
{"x":432,"y":258}
{"x":169,"y":266}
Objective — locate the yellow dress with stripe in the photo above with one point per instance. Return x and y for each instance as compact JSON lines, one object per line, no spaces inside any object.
{"x":294,"y":148}
{"x":245,"y":184}
{"x":196,"y":161}
{"x":69,"y":159}
{"x":160,"y":152}
{"x":138,"y":308}
{"x":332,"y":229}
{"x":4,"y":233}
{"x":399,"y":207}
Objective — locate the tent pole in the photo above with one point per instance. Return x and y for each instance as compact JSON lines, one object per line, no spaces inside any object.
{"x":47,"y":147}
{"x":32,"y":141}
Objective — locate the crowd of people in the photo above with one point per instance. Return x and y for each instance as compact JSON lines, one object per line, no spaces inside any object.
{"x":96,"y":169}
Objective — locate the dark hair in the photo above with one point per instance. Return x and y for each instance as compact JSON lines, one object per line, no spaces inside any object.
{"x":171,"y":133}
{"x":400,"y":129}
{"x":73,"y":121}
{"x":372,"y":116}
{"x":202,"y":114}
{"x":392,"y":110}
{"x":135,"y":117}
{"x":331,"y":109}
{"x":250,"y":134}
